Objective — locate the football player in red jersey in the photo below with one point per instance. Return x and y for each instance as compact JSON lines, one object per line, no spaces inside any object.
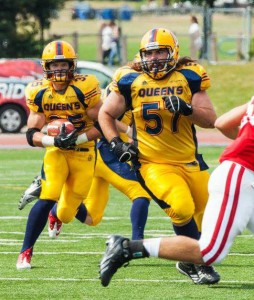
{"x":168,"y":98}
{"x":229,"y":211}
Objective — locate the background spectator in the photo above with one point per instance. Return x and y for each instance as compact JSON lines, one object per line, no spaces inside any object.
{"x":115,"y":43}
{"x":106,"y":41}
{"x":195,"y":38}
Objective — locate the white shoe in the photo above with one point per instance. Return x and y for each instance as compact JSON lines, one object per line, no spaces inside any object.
{"x":31,"y":193}
{"x":54,"y":226}
{"x":24,"y":259}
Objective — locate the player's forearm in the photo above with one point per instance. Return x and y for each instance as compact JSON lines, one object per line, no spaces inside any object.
{"x":93,"y":134}
{"x":37,"y":139}
{"x":230,"y":133}
{"x":203,"y":117}
{"x":229,"y":123}
{"x":124,"y":128}
{"x":231,"y":118}
{"x":108,"y":125}
{"x":203,"y":114}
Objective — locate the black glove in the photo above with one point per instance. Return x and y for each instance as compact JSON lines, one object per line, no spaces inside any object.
{"x":176,"y":105}
{"x":64,"y":140}
{"x":123,"y":151}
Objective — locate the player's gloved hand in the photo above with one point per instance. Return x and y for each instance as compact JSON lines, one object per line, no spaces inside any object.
{"x":64,"y":140}
{"x":123,"y":151}
{"x":176,"y":105}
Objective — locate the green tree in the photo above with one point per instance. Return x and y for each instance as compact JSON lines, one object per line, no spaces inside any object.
{"x":44,"y":11}
{"x":22,"y":25}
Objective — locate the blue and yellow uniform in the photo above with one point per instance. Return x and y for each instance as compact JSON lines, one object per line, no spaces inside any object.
{"x":121,"y":176}
{"x":167,"y":143}
{"x":66,"y":174}
{"x":69,"y":160}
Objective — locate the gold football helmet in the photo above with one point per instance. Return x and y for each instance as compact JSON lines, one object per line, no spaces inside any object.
{"x":59,"y":51}
{"x":159,"y":38}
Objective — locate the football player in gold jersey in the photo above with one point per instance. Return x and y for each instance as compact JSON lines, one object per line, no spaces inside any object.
{"x":69,"y":160}
{"x":108,"y":170}
{"x":167,"y":100}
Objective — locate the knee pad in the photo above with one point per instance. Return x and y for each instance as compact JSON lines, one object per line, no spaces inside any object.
{"x":180,"y":215}
{"x":66,"y":214}
{"x":96,"y":220}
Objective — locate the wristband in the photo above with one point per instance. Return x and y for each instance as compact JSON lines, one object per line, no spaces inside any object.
{"x":82,"y":139}
{"x":128,"y":130}
{"x":47,"y":141}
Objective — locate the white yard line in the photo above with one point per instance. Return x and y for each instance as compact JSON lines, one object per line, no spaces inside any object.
{"x":94,"y":253}
{"x":115,"y":280}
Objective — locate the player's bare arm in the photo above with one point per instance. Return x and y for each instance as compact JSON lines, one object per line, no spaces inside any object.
{"x":92,"y":133}
{"x":94,"y":111}
{"x":124,"y":128}
{"x":36,"y":120}
{"x":203,"y":114}
{"x":229,"y":122}
{"x":112,"y":108}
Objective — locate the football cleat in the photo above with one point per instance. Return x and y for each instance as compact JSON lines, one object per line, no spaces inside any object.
{"x":189,"y":270}
{"x":24,"y":259}
{"x":116,"y":255}
{"x":54,"y":226}
{"x":207,"y":275}
{"x":32,"y":193}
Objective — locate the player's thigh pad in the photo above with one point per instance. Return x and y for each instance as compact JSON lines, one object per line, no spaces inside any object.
{"x":97,"y":199}
{"x":169,"y":185}
{"x":77,"y":185}
{"x":122,"y":177}
{"x":55,"y":171}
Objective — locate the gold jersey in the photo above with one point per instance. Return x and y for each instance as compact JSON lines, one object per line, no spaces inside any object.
{"x":82,"y":93}
{"x":161,"y":136}
{"x":126,"y":118}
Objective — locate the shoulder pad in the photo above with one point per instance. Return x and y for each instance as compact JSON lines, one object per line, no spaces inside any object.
{"x":196,"y":76}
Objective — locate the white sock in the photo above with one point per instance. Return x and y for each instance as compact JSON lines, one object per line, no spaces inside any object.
{"x":152,"y":246}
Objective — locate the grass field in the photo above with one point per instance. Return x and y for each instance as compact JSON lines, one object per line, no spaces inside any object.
{"x":67,"y":268}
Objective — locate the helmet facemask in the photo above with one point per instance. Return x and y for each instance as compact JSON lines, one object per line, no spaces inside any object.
{"x":154,"y":40}
{"x":158,"y":68}
{"x":61,"y":75}
{"x":59,"y":51}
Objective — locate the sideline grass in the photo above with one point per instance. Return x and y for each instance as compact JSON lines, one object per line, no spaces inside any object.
{"x":67,"y":268}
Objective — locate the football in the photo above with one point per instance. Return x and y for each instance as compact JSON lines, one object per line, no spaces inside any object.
{"x":54,"y":127}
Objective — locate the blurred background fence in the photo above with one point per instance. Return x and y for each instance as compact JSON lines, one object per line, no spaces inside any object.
{"x":227,"y":32}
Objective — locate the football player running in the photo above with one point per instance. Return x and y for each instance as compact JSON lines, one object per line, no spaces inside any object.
{"x":68,"y":164}
{"x":229,"y":211}
{"x":167,"y":100}
{"x":108,"y":170}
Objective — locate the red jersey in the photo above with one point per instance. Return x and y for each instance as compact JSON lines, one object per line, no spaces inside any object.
{"x":241,"y":150}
